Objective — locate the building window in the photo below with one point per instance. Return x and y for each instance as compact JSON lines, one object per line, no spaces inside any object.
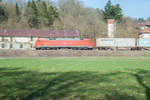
{"x":3,"y":46}
{"x":11,"y":45}
{"x":21,"y":45}
{"x":11,"y":39}
{"x":31,"y":46}
{"x":31,"y":38}
{"x":2,"y":39}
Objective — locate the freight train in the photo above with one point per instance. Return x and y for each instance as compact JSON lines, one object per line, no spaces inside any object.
{"x":87,"y":44}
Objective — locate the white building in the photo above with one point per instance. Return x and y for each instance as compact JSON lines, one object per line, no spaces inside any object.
{"x":145,"y":33}
{"x":25,"y":39}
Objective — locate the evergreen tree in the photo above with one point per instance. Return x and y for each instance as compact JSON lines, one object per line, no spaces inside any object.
{"x":112,"y":12}
{"x":51,"y":15}
{"x":17,"y":10}
{"x":148,"y":20}
{"x":141,"y":20}
{"x":29,"y":4}
{"x":34,"y":20}
{"x":44,"y":9}
{"x":35,"y":9}
{"x":3,"y":15}
{"x":41,"y":13}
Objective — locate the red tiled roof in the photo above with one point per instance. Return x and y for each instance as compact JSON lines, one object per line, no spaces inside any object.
{"x":141,"y":24}
{"x":39,"y":33}
{"x":147,"y":30}
{"x":110,"y":21}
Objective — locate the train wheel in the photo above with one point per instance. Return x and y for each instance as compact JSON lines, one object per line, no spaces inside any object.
{"x":55,"y":48}
{"x":74,"y":48}
{"x":42,"y":48}
{"x":90,"y":48}
{"x":38,"y":48}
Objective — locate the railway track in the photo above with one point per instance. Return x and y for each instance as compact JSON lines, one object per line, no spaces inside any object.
{"x":70,"y":53}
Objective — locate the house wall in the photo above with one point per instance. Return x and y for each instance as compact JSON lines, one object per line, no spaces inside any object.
{"x":0,"y":39}
{"x":21,"y":39}
{"x":142,"y":27}
{"x":17,"y":42}
{"x":145,"y":35}
{"x":4,"y":45}
{"x":7,"y":39}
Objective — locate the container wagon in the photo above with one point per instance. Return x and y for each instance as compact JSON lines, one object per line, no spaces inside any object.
{"x":116,"y":43}
{"x":143,"y":44}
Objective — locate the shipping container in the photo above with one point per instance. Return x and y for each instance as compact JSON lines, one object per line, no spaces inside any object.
{"x":105,"y":42}
{"x":143,"y":43}
{"x":126,"y":42}
{"x":116,"y":42}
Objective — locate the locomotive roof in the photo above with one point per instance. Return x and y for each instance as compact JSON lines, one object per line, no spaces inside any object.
{"x":39,"y":33}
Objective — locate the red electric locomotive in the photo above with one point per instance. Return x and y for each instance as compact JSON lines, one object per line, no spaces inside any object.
{"x":62,"y":43}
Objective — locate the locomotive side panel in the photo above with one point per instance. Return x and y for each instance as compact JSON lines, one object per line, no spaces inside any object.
{"x":84,"y":44}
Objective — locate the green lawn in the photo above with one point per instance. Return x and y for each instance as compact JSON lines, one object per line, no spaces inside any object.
{"x":91,"y":78}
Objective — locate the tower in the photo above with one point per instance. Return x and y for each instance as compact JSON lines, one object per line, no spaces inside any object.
{"x":111,"y":28}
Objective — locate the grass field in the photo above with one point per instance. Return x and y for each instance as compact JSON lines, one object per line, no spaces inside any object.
{"x":92,"y":78}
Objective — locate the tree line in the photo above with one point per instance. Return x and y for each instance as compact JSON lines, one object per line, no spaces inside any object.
{"x":65,"y":15}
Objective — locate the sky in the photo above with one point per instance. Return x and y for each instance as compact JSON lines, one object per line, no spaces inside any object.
{"x":132,"y":8}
